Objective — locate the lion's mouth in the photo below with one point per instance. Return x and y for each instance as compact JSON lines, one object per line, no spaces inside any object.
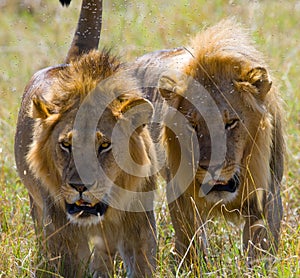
{"x":229,"y":186}
{"x":86,"y":209}
{"x":221,"y":186}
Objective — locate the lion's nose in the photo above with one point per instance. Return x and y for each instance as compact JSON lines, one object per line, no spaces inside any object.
{"x":79,"y":187}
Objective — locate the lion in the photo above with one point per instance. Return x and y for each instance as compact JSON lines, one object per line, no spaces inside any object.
{"x":84,"y":215}
{"x":226,"y":155}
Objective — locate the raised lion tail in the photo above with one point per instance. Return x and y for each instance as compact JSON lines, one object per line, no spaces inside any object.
{"x":87,"y":34}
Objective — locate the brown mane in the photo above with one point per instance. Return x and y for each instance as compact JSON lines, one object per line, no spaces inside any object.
{"x":81,"y":76}
{"x":222,"y":51}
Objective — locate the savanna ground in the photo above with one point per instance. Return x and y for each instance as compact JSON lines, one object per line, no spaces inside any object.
{"x":35,"y":34}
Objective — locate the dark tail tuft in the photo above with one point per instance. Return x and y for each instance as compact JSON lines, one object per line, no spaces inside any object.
{"x":65,"y":2}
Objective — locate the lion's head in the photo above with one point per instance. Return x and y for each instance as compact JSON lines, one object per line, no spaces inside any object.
{"x":73,"y":142}
{"x":226,"y":94}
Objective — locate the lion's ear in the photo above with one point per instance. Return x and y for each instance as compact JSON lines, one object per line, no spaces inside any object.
{"x":138,"y":110}
{"x":171,"y":85}
{"x":259,"y":78}
{"x":41,"y":108}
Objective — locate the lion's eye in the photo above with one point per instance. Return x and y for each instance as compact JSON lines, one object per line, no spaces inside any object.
{"x":231,"y":124}
{"x":66,"y":146}
{"x":104,"y":147}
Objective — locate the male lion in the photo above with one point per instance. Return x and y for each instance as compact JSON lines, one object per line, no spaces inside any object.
{"x":71,"y":205}
{"x":70,"y":211}
{"x":225,"y":156}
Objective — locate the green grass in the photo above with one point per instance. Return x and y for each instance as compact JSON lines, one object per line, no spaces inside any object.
{"x":34,"y":38}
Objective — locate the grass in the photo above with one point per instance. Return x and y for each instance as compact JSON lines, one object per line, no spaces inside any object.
{"x":39,"y":36}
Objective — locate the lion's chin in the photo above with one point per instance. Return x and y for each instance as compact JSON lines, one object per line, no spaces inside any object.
{"x":83,"y":212}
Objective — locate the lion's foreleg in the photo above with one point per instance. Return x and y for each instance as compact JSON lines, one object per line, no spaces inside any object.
{"x":262,"y":232}
{"x":139,"y":245}
{"x":103,"y":263}
{"x":190,"y":239}
{"x":65,"y":244}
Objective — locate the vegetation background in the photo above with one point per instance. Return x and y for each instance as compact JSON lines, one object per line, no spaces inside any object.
{"x":36,"y":34}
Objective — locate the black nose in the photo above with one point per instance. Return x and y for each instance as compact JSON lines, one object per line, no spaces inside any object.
{"x":79,"y":187}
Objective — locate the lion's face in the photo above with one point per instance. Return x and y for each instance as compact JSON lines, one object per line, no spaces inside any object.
{"x":88,"y":201}
{"x":77,"y":155}
{"x":229,"y":124}
{"x":83,"y":201}
{"x":224,"y":175}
